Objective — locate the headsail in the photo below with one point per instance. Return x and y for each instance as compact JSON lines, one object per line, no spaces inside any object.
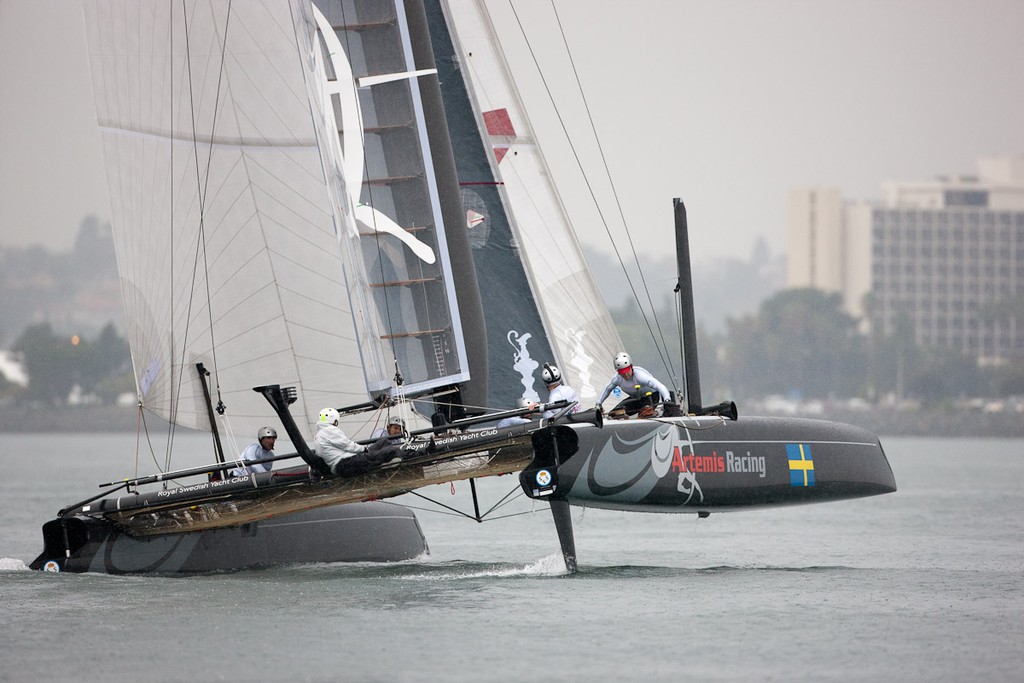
{"x":250,"y":236}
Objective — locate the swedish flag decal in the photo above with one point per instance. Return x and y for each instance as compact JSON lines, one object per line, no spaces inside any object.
{"x":801,"y":464}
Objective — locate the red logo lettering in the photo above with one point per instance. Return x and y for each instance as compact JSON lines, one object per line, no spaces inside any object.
{"x":677,"y":460}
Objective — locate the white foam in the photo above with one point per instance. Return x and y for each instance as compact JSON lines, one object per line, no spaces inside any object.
{"x":10,"y":564}
{"x":552,"y":565}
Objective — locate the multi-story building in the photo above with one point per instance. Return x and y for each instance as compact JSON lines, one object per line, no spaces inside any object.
{"x":943,"y":258}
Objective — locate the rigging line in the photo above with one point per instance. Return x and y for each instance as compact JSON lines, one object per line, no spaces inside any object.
{"x":439,"y":503}
{"x":149,"y":442}
{"x":173,"y":408}
{"x":138,"y":439}
{"x":615,"y":193}
{"x":200,"y":189}
{"x":446,"y":404}
{"x":195,"y":259}
{"x":507,"y":499}
{"x":586,"y":179}
{"x":204,"y":192}
{"x":459,"y":513}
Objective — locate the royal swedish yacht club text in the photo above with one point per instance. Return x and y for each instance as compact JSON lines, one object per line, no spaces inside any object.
{"x":164,"y":493}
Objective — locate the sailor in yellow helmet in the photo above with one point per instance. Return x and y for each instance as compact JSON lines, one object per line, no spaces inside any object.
{"x":343,"y":455}
{"x":331,"y":444}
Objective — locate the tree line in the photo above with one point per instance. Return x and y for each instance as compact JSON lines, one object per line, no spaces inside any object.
{"x":799,"y":343}
{"x":57,"y":363}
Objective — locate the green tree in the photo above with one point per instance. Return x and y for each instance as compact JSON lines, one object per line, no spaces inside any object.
{"x":1007,"y":381}
{"x":944,"y":373}
{"x":55,"y":363}
{"x":107,"y":356}
{"x":799,"y":342}
{"x":49,"y":362}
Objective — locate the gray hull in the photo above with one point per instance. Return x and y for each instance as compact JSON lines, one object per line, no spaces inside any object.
{"x":706,"y":464}
{"x":359,"y":532}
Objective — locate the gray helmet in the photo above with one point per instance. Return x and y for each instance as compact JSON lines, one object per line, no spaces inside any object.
{"x":523,"y":402}
{"x":265,"y":432}
{"x":396,"y":420}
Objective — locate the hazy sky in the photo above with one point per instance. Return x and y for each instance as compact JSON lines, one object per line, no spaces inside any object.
{"x":727,"y":104}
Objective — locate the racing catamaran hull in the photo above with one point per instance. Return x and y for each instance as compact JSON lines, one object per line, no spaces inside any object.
{"x":364,"y":532}
{"x":706,"y":464}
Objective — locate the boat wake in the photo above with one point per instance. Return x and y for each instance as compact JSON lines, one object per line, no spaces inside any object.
{"x":552,"y":565}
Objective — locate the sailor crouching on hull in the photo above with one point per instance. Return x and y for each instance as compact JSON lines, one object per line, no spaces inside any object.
{"x":638,"y":384}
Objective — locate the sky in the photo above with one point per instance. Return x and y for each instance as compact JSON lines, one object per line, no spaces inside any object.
{"x":729,"y":105}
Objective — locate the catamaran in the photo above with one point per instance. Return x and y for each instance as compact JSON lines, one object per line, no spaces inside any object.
{"x":344,"y":204}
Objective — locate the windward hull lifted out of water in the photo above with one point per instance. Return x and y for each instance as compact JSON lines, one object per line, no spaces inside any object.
{"x":707,"y":464}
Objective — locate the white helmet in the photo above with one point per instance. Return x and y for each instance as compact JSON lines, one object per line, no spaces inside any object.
{"x":396,"y":420}
{"x":551,"y":374}
{"x":265,"y":432}
{"x":523,"y":402}
{"x":328,"y":416}
{"x":622,"y":360}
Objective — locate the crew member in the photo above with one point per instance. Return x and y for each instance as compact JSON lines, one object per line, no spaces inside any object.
{"x":263,"y":448}
{"x":343,"y":455}
{"x":639,"y":384}
{"x":557,"y":391}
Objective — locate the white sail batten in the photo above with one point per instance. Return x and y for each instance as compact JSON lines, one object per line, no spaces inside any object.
{"x":577,"y":321}
{"x":227,"y":216}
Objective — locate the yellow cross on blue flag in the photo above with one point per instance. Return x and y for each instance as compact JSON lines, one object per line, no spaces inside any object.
{"x":801,"y":464}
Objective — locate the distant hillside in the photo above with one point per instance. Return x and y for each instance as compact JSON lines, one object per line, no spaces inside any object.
{"x":723,"y":288}
{"x":76,"y":292}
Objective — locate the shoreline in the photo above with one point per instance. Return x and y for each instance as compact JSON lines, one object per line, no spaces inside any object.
{"x":919,"y":423}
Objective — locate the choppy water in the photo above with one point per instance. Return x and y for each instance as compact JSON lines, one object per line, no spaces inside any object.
{"x":925,"y":584}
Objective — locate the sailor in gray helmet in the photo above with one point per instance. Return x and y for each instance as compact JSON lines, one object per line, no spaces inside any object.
{"x":393,"y":431}
{"x":638,"y":384}
{"x":263,"y":448}
{"x":557,"y":391}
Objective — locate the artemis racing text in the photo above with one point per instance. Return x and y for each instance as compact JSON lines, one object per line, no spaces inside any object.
{"x":730,"y":462}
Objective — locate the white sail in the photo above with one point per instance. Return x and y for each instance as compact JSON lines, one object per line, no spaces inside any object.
{"x":235,"y":214}
{"x":578,"y":325}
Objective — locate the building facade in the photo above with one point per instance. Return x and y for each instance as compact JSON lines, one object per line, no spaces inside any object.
{"x":943,"y":259}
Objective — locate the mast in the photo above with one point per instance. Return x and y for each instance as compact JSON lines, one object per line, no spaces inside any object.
{"x":473,"y":392}
{"x":684,"y":288}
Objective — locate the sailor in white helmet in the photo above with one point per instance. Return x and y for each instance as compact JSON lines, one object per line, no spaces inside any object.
{"x":637,"y":383}
{"x":513,"y":420}
{"x":557,"y":391}
{"x":263,"y":448}
{"x":331,"y":444}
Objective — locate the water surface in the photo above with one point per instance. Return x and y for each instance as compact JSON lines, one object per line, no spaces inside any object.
{"x":923,"y":584}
